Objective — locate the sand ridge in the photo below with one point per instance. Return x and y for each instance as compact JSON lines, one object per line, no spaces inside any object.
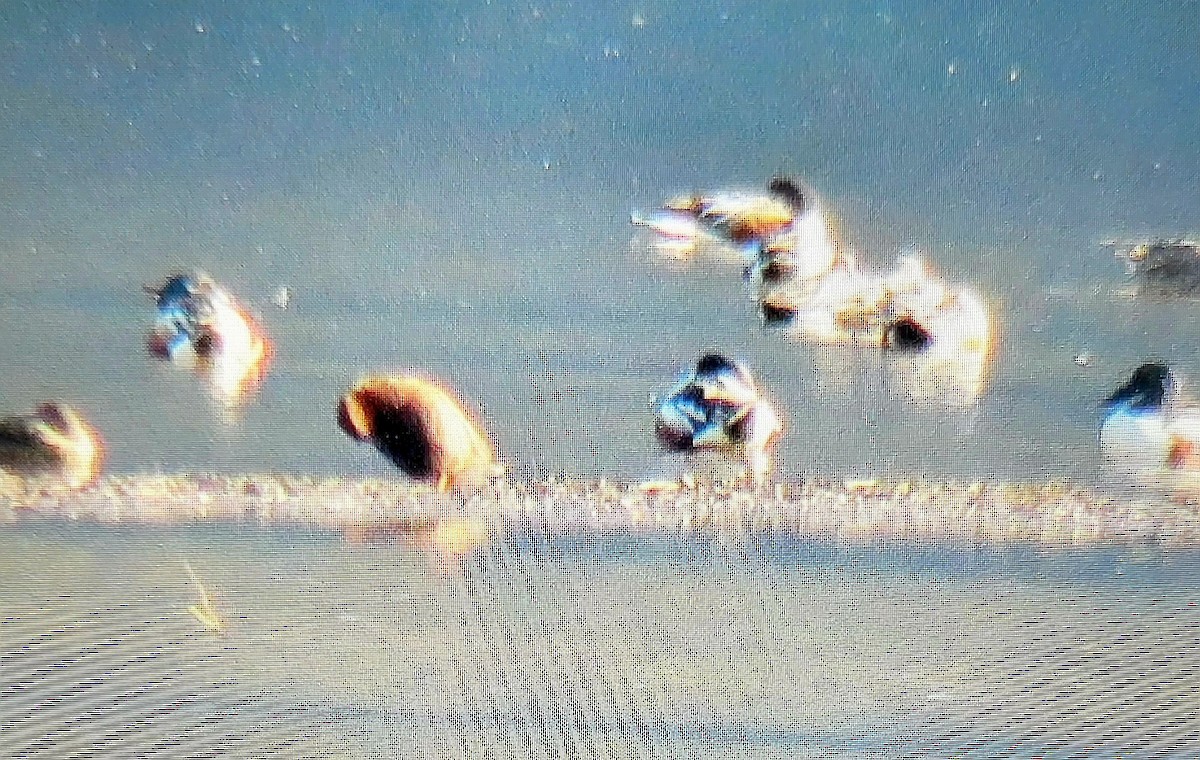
{"x":863,"y":511}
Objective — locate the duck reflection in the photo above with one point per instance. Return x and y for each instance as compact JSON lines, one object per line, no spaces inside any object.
{"x":939,"y":376}
{"x":443,"y":539}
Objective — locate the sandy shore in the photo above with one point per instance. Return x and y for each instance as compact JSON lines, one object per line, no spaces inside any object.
{"x":851,"y":511}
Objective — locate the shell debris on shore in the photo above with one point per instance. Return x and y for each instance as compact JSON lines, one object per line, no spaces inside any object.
{"x":858,"y":512}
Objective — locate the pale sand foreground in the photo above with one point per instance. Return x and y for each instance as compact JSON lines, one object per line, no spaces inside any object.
{"x":850,"y":511}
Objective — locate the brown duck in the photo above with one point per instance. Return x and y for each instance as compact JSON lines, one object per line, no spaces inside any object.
{"x":422,"y":427}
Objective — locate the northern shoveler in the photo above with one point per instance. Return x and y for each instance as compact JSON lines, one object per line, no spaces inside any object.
{"x":787,"y":221}
{"x":1148,"y":425}
{"x":907,"y":309}
{"x":201,"y":321}
{"x":717,"y":407}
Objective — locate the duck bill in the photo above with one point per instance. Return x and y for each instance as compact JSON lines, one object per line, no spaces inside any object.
{"x":668,"y":224}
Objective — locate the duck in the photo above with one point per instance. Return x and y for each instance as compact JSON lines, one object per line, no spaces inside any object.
{"x":788,"y":221}
{"x":200,"y":322}
{"x":717,"y":407}
{"x":1148,"y":424}
{"x":423,"y":428}
{"x":56,"y":441}
{"x":943,"y":329}
{"x":1163,"y":266}
{"x":181,"y":320}
{"x":907,"y":309}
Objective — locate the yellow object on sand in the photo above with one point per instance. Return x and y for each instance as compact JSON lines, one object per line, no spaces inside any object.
{"x":205,"y":611}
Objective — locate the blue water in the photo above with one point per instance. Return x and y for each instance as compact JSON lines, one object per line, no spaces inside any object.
{"x":448,"y":189}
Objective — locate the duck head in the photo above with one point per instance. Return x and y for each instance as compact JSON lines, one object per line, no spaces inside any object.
{"x":177,"y":324}
{"x":1148,"y":388}
{"x":723,"y":381}
{"x":907,"y":334}
{"x":176,"y":290}
{"x":777,"y":314}
{"x":197,"y":319}
{"x":789,"y":191}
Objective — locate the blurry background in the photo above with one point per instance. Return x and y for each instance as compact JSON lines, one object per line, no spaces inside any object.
{"x":448,"y":188}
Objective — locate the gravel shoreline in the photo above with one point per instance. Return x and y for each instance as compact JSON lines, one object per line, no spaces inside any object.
{"x":864,"y":511}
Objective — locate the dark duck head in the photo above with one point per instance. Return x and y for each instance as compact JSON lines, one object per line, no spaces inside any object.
{"x":722,"y":381}
{"x":789,"y":191}
{"x":178,"y":320}
{"x":717,"y":407}
{"x":1147,"y":389}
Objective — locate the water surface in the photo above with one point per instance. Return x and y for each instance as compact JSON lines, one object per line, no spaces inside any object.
{"x":449,"y":190}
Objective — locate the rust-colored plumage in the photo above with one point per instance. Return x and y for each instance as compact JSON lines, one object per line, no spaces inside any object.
{"x":421,"y":427}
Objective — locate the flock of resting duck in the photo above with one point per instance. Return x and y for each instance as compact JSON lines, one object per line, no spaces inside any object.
{"x":807,"y":282}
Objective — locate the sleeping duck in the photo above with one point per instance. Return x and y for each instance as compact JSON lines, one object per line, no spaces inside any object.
{"x":423,"y":428}
{"x":54,"y":441}
{"x":200,"y":322}
{"x":907,"y":309}
{"x":787,"y":220}
{"x":1149,"y":426}
{"x":910,"y":310}
{"x":717,"y":407}
{"x":179,"y":324}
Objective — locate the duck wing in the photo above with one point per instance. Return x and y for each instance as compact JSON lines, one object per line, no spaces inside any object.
{"x":22,"y":447}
